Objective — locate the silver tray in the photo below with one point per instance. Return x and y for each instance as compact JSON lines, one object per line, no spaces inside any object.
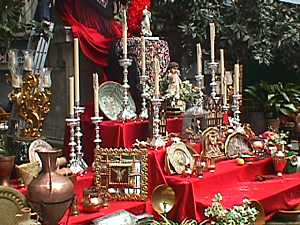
{"x":111,"y":99}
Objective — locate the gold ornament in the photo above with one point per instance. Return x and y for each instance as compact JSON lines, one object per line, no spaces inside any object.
{"x":33,"y":104}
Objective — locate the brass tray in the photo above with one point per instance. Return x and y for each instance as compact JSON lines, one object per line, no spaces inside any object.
{"x":111,"y":99}
{"x":11,"y":203}
{"x":179,"y":157}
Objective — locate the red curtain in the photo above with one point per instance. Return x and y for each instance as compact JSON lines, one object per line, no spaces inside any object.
{"x":96,"y":33}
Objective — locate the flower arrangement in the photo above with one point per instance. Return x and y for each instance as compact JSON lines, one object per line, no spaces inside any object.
{"x":239,"y":215}
{"x":243,"y":214}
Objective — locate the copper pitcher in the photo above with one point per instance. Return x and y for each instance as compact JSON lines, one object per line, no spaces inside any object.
{"x":50,"y":194}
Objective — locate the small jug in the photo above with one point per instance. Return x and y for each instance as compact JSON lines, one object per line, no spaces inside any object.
{"x":27,"y":217}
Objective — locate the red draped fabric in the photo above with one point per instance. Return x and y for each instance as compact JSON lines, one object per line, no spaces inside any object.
{"x":96,"y":33}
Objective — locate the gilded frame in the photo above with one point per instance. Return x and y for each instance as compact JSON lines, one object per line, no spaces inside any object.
{"x":105,"y":158}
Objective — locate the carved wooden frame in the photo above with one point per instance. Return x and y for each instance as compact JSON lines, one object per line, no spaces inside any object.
{"x":105,"y":157}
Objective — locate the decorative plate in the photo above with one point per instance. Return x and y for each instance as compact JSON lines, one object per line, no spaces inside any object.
{"x":111,"y":99}
{"x":11,"y":203}
{"x":37,"y":145}
{"x":179,"y":157}
{"x":237,"y":144}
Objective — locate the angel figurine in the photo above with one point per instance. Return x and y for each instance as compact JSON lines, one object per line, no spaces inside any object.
{"x":174,"y":81}
{"x":145,"y":25}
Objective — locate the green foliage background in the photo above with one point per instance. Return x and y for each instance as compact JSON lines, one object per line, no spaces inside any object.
{"x":263,"y":35}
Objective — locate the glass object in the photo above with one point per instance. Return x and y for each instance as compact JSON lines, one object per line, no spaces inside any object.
{"x":45,"y":78}
{"x":27,"y":60}
{"x":12,"y":60}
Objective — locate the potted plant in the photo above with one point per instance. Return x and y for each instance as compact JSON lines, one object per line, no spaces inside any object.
{"x":275,"y":100}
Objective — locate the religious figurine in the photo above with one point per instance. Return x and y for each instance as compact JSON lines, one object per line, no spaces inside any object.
{"x":146,"y":25}
{"x":212,"y":146}
{"x":174,"y":83}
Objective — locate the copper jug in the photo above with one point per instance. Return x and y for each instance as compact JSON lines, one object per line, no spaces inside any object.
{"x":50,"y":194}
{"x":27,"y":217}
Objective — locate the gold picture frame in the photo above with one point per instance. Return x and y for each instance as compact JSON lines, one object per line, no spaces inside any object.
{"x":122,"y":174}
{"x":212,"y":146}
{"x":235,"y":144}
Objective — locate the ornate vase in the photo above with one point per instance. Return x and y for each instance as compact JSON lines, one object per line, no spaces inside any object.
{"x":50,"y":194}
{"x":26,"y":217}
{"x":280,"y":162}
{"x":6,"y":167}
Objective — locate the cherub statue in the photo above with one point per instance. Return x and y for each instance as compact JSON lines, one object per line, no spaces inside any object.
{"x":174,"y":81}
{"x":146,"y":25}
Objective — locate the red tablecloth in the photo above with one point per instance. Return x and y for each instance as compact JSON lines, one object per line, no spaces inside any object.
{"x":115,"y":134}
{"x":234,"y":182}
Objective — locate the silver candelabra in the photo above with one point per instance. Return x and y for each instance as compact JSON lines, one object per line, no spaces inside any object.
{"x":144,"y":111}
{"x":213,"y":67}
{"x":236,"y":110}
{"x":157,"y":140}
{"x":200,"y":84}
{"x":79,"y":110}
{"x":71,"y":123}
{"x":127,"y":113}
{"x":97,"y":120}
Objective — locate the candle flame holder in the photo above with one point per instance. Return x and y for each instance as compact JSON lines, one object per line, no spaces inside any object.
{"x":127,"y":113}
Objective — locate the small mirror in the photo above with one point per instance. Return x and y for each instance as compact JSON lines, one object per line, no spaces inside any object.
{"x":122,"y":173}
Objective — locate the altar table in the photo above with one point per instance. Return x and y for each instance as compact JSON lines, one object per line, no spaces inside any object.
{"x":234,"y":182}
{"x":115,"y":134}
{"x":193,"y":195}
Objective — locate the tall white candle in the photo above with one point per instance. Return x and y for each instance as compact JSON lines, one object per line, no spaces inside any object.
{"x":236,"y":85}
{"x":76,"y":71}
{"x":71,"y":96}
{"x":212,"y":41}
{"x":124,"y":34}
{"x":156,"y":77}
{"x":222,"y":70}
{"x":199,"y":59}
{"x":96,"y":88}
{"x":143,"y":56}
